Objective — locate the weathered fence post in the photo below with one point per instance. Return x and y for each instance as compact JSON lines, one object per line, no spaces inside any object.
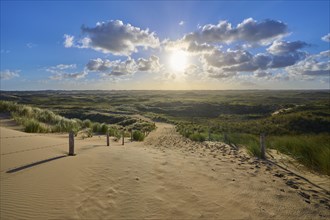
{"x":71,"y":143}
{"x":123,"y":134}
{"x":262,"y":146}
{"x":108,"y":139}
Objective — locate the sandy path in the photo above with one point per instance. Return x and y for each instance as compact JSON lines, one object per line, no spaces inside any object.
{"x":167,"y":177}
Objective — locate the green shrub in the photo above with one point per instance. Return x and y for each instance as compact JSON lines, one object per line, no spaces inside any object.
{"x":96,"y":127}
{"x":138,"y":136}
{"x":87,"y":123}
{"x":103,"y":128}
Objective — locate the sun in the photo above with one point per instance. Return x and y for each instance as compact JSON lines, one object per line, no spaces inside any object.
{"x":178,"y":60}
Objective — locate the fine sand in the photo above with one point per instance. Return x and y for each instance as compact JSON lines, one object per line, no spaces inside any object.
{"x":165,"y":177}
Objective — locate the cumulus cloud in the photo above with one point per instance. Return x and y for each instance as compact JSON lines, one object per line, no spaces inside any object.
{"x":121,"y":68}
{"x":284,"y":47}
{"x":99,"y":65}
{"x":9,"y":74}
{"x":150,"y":65}
{"x":283,"y":54}
{"x":326,"y":38}
{"x":181,"y":23}
{"x":227,"y":58}
{"x":114,"y":37}
{"x":313,"y":65}
{"x":249,"y":30}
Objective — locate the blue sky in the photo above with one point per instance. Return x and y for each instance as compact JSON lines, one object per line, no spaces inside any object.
{"x":164,"y":45}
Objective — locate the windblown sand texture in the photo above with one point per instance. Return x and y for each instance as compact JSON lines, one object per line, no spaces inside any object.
{"x":165,"y":177}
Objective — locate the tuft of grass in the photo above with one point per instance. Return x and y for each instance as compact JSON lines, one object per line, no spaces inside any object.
{"x":311,"y":150}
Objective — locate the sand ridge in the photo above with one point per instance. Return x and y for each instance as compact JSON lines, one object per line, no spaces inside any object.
{"x":166,"y":177}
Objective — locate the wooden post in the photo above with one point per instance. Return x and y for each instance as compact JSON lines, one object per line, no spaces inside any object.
{"x":108,"y":139}
{"x":123,"y":134}
{"x":262,"y":146}
{"x":71,"y":143}
{"x":131,"y":135}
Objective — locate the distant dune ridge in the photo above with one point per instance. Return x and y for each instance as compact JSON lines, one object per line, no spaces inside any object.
{"x":166,"y":177}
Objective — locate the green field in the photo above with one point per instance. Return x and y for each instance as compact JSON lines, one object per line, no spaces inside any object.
{"x":295,"y":122}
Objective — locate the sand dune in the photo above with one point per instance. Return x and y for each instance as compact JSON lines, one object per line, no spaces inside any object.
{"x":166,"y":177}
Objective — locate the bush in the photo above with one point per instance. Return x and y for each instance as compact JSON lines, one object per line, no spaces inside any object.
{"x":87,"y":123}
{"x":138,"y":136}
{"x":96,"y":127}
{"x":103,"y":128}
{"x":197,"y":137}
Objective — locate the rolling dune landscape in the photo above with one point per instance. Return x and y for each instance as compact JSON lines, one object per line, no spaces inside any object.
{"x":183,"y":110}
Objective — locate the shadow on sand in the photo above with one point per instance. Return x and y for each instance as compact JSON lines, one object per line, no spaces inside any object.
{"x":34,"y":164}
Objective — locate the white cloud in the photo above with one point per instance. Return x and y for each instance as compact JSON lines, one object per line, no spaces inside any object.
{"x":9,"y":74}
{"x":181,"y":23}
{"x":68,"y":41}
{"x":60,"y":72}
{"x":114,"y":37}
{"x":326,"y":38}
{"x":64,"y":75}
{"x":313,"y":65}
{"x":60,"y":67}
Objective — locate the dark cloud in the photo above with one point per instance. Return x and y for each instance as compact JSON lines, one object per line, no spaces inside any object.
{"x":287,"y":59}
{"x":227,"y":58}
{"x":284,"y":47}
{"x":249,"y":30}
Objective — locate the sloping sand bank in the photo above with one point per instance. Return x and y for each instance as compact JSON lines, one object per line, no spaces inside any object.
{"x":166,"y":177}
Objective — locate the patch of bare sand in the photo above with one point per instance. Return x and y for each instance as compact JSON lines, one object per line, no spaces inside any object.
{"x":167,"y":177}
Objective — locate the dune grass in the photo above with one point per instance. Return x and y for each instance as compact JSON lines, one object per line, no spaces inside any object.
{"x":36,"y":120}
{"x":311,"y":150}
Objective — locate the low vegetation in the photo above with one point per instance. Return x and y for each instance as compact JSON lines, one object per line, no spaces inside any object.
{"x":296,"y":123}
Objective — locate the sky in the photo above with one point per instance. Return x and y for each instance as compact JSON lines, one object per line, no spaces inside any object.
{"x":155,"y":45}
